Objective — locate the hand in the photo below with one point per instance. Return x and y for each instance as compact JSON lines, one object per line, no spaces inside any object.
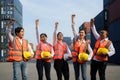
{"x":88,"y":41}
{"x":69,"y":58}
{"x":56,"y":25}
{"x":46,"y":58}
{"x":27,"y":59}
{"x":92,"y":22}
{"x":103,"y":55}
{"x":37,"y":22}
{"x":12,"y":20}
{"x":32,"y":56}
{"x":73,"y":16}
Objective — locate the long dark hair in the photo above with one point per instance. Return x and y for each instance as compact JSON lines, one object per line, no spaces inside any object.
{"x":59,"y":33}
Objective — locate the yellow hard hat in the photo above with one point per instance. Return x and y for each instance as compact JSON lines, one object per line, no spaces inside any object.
{"x":45,"y":54}
{"x":27,"y":55}
{"x":102,"y":51}
{"x":83,"y":56}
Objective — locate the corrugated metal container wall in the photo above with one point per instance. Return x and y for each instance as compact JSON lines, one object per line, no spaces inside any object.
{"x":114,"y":35}
{"x":114,"y":11}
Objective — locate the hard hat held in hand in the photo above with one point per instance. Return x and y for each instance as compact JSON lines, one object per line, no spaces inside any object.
{"x":83,"y":57}
{"x":103,"y":51}
{"x":27,"y":55}
{"x":45,"y":54}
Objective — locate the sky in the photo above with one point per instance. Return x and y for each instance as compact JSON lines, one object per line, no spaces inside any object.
{"x":50,"y":11}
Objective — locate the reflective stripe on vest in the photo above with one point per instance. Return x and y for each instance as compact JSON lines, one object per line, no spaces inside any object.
{"x":15,"y":55}
{"x":43,"y":47}
{"x":16,"y":49}
{"x":58,"y":55}
{"x":60,"y":50}
{"x":38,"y":52}
{"x":104,"y":44}
{"x":78,"y":48}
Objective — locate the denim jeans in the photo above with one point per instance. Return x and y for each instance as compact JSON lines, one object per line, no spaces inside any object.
{"x":77,"y":70}
{"x":19,"y":67}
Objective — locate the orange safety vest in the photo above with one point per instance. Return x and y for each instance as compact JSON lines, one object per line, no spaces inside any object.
{"x":59,"y":50}
{"x":104,"y":44}
{"x":16,"y":49}
{"x":43,"y":47}
{"x":78,"y":48}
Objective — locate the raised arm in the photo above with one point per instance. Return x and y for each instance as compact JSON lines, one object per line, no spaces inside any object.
{"x":73,"y":25}
{"x":10,"y":36}
{"x":55,"y":33}
{"x":94,"y":31}
{"x":37,"y":32}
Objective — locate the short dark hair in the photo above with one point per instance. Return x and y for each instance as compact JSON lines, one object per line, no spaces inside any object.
{"x":105,"y":30}
{"x":43,"y":34}
{"x":18,"y":29}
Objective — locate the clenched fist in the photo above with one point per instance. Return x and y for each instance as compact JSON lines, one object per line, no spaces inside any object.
{"x":73,"y":16}
{"x":56,"y":25}
{"x":37,"y":22}
{"x":92,"y":22}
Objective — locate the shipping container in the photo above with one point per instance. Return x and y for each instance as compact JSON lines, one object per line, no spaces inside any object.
{"x":113,"y":26}
{"x":114,"y":31}
{"x":114,"y":11}
{"x":9,"y":9}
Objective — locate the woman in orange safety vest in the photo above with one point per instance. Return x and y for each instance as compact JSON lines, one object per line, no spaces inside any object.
{"x":80,"y":45}
{"x":62,"y":54}
{"x":43,"y":45}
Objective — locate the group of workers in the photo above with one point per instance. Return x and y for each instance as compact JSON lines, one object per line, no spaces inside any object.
{"x":60,"y":53}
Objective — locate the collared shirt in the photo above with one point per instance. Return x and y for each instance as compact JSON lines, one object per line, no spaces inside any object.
{"x":11,"y":37}
{"x":76,"y":37}
{"x":97,"y":36}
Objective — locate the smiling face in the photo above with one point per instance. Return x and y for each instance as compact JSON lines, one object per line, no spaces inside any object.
{"x":19,"y":31}
{"x":43,"y":37}
{"x":82,"y":34}
{"x":103,"y":34}
{"x":60,"y":36}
